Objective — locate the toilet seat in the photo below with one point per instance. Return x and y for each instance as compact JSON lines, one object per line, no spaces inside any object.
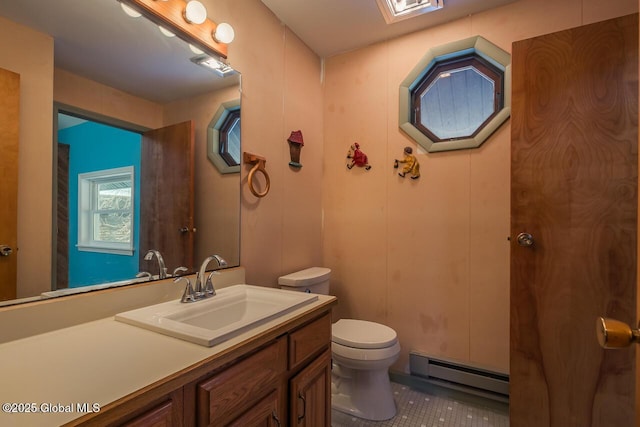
{"x":365,"y":354}
{"x":362,"y":334}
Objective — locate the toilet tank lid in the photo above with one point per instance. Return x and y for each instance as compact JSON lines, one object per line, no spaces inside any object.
{"x":307,"y":277}
{"x":362,"y":334}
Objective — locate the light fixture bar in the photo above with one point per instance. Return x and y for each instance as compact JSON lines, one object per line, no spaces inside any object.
{"x":169,"y":14}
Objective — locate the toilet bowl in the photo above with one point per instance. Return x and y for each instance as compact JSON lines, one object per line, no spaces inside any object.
{"x":362,"y":353}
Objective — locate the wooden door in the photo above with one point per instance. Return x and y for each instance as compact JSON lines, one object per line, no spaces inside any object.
{"x":310,"y":394}
{"x":167,"y":199}
{"x":62,"y":218}
{"x":574,"y":189}
{"x":9,"y":140}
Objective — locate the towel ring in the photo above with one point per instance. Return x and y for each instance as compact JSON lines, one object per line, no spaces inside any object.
{"x":259,"y":163}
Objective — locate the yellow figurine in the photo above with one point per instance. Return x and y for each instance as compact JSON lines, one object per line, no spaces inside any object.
{"x":410,"y":164}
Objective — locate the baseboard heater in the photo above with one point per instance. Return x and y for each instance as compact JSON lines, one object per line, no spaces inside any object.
{"x":458,"y":376}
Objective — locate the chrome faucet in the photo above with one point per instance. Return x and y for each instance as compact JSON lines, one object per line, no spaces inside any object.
{"x":161,"y":267}
{"x":206,"y":290}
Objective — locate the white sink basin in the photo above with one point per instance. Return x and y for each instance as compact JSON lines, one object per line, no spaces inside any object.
{"x":232,"y":311}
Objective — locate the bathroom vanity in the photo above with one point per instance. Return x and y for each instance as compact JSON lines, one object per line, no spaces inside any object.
{"x":281,"y":378}
{"x":106,"y":372}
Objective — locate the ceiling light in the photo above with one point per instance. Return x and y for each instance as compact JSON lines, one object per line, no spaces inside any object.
{"x":213,"y":64}
{"x":195,"y":12}
{"x":396,"y":10}
{"x":224,"y":33}
{"x":130,"y":11}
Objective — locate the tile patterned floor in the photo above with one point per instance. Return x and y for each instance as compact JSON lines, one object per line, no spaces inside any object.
{"x":418,"y":409}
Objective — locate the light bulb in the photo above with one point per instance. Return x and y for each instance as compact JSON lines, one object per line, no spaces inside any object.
{"x":224,"y":33}
{"x":195,"y":49}
{"x":195,"y":12}
{"x":130,"y":11}
{"x":166,"y":32}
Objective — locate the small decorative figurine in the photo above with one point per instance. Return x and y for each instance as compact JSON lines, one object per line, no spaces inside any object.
{"x":410,"y":164}
{"x":358,"y":158}
{"x":295,"y":146}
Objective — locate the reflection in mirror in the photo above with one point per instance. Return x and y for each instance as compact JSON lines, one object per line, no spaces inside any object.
{"x":223,"y":137}
{"x":133,"y":96}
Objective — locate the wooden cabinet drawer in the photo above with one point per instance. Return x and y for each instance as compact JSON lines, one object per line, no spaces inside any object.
{"x":309,"y":340}
{"x":223,"y":396}
{"x":161,"y":415}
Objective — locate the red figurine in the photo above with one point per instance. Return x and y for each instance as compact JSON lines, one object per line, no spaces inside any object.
{"x":358,"y":158}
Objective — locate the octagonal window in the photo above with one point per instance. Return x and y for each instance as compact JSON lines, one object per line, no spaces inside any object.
{"x":457,"y":96}
{"x":223,"y":138}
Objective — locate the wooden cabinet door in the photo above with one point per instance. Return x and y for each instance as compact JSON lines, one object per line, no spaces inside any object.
{"x":151,"y":409}
{"x":310,"y":394}
{"x":265,"y":413}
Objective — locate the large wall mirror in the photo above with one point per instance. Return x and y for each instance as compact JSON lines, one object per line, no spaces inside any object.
{"x":130,"y":108}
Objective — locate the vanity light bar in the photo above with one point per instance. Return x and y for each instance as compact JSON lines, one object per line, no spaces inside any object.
{"x":170,"y":15}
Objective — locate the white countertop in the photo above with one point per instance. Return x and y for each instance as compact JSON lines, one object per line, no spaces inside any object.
{"x":97,"y":363}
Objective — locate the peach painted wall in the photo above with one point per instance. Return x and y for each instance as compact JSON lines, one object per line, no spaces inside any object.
{"x":430,"y":258}
{"x":281,"y":92}
{"x":79,"y":92}
{"x":30,"y":54}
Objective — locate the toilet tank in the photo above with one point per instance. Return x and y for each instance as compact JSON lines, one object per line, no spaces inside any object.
{"x":314,"y":280}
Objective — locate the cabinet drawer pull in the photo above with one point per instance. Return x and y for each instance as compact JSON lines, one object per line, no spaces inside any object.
{"x":304,"y":407}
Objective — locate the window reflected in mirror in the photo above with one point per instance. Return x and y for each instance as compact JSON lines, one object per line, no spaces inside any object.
{"x":223,"y":138}
{"x":230,"y":138}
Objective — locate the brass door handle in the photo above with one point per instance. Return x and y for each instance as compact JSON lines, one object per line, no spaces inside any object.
{"x":613,"y":333}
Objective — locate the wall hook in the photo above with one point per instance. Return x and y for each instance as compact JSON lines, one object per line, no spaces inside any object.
{"x":259,"y":166}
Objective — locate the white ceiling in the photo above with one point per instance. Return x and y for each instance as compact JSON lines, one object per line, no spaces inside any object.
{"x":329,"y":27}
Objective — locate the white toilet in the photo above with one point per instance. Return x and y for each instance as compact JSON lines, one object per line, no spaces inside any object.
{"x":362,"y":353}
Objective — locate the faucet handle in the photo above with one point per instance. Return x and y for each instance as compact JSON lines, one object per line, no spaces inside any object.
{"x":209,"y":290}
{"x":189,"y":295}
{"x":179,"y":270}
{"x":143,"y":274}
